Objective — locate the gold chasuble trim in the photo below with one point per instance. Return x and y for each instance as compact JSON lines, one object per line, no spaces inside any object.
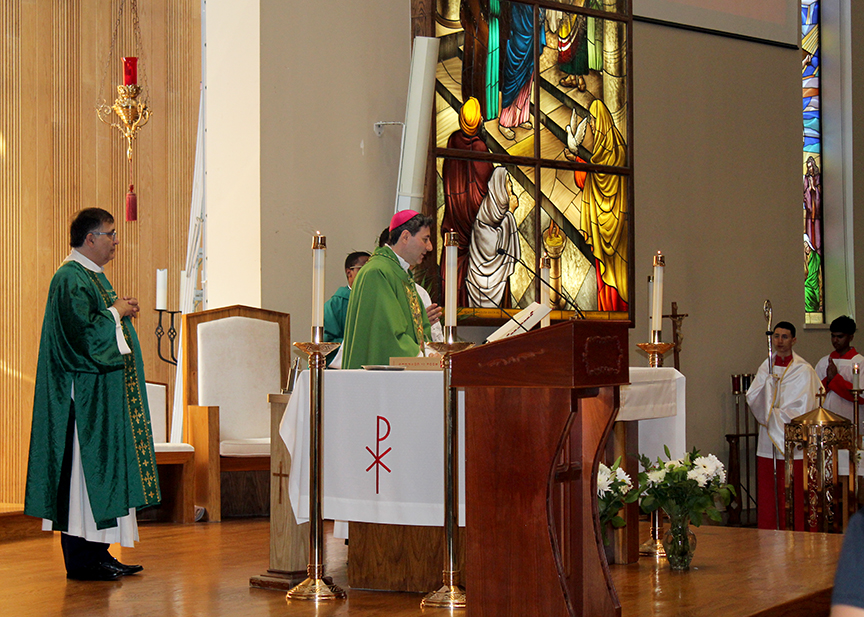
{"x":416,"y":314}
{"x":413,"y":300}
{"x":141,"y":432}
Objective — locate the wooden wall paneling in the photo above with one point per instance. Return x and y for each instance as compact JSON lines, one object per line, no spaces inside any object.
{"x":57,"y":157}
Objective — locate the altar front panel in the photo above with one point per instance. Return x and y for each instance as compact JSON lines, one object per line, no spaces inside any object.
{"x":383,"y":447}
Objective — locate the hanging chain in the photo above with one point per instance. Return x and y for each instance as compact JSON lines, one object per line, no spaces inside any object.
{"x":136,"y":30}
{"x":101,"y":103}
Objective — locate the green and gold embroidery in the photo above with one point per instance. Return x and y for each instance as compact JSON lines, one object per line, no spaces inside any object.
{"x":138,"y":416}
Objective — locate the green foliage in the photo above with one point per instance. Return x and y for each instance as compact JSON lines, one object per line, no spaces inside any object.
{"x":689,"y":486}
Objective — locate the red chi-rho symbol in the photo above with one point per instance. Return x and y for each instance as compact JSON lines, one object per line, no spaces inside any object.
{"x":378,"y":455}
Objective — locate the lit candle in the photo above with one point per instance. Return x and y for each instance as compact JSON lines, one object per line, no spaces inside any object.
{"x":657,"y":304}
{"x":855,"y":381}
{"x":545,"y":287}
{"x":161,"y":290}
{"x":319,"y":249}
{"x":451,"y":248}
{"x":130,"y":71}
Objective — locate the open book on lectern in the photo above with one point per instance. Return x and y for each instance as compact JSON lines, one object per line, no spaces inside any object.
{"x":522,"y":321}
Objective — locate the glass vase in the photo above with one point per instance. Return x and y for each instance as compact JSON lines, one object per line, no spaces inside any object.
{"x":678,"y":541}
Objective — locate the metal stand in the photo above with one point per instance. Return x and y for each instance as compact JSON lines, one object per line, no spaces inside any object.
{"x":853,"y":454}
{"x":172,"y":334}
{"x":451,"y":594}
{"x":653,"y":546}
{"x":316,"y":587}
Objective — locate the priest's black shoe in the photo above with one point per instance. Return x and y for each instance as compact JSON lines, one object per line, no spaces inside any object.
{"x":95,"y":572}
{"x":120,"y":568}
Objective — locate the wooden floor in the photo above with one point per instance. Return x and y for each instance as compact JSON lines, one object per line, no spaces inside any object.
{"x":204,"y":569}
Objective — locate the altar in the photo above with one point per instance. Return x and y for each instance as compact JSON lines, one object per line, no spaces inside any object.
{"x":383,"y":440}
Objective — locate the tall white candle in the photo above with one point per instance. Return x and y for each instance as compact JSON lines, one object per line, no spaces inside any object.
{"x":545,"y":288}
{"x":182,"y":289}
{"x":657,"y":303}
{"x":319,"y":249}
{"x":855,"y":378}
{"x":651,"y":304}
{"x":451,"y":248}
{"x":161,"y":290}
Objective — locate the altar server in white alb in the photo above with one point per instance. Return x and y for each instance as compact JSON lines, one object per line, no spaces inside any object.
{"x":775,"y":401}
{"x":835,"y":369}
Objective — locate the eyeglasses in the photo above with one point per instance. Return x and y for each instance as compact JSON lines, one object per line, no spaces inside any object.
{"x":113,"y":234}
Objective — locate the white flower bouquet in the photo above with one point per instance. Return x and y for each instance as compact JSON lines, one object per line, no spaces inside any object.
{"x":687,"y":486}
{"x":614,"y":489}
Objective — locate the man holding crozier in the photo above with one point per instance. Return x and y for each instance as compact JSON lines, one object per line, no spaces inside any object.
{"x":784,"y":388}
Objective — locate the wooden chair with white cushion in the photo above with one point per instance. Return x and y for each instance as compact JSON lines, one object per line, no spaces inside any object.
{"x":174,"y":460}
{"x":233,"y":358}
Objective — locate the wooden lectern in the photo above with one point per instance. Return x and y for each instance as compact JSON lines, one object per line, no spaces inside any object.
{"x":539,"y":408}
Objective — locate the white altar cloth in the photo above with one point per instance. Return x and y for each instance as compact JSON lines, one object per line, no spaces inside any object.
{"x":412,"y":402}
{"x":656,"y":397}
{"x":407,"y":488}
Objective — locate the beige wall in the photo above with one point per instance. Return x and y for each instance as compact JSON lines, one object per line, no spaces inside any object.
{"x":57,"y":157}
{"x":233,"y":154}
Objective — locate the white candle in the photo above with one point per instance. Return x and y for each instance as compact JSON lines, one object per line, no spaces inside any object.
{"x":855,"y":379}
{"x":161,"y":290}
{"x":182,"y":289}
{"x":657,"y":301}
{"x":651,"y":304}
{"x":545,"y":287}
{"x":451,"y":248}
{"x":319,"y":248}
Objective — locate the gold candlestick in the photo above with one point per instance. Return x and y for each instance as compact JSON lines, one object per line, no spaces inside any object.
{"x":316,"y":587}
{"x":655,"y":350}
{"x":451,"y":594}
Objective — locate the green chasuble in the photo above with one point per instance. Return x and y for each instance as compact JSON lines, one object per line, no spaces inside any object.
{"x":78,"y":353}
{"x":385,"y":317}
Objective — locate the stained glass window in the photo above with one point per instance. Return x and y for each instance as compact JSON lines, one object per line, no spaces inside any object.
{"x":814,"y":288}
{"x":533,"y":123}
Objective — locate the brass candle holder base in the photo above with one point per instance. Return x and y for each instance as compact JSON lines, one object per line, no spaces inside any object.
{"x":655,"y":352}
{"x":316,"y":589}
{"x":448,"y":596}
{"x":653,"y":546}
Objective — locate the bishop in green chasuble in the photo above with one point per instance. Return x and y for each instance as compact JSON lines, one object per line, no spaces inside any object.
{"x":84,"y":380}
{"x":386,"y":318}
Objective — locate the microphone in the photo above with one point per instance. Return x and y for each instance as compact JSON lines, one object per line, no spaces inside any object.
{"x":562,"y":293}
{"x":509,"y":316}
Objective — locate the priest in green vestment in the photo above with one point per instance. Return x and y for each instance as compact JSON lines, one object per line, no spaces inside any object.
{"x":91,"y":461}
{"x":386,"y":318}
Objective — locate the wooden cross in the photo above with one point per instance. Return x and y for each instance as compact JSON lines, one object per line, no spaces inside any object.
{"x":279,"y":474}
{"x":677,"y":319}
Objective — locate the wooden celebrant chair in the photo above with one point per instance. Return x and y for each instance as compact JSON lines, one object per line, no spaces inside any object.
{"x":174,"y":460}
{"x":233,"y":358}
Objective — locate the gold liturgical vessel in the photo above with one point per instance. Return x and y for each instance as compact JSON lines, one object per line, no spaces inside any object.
{"x":820,"y":434}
